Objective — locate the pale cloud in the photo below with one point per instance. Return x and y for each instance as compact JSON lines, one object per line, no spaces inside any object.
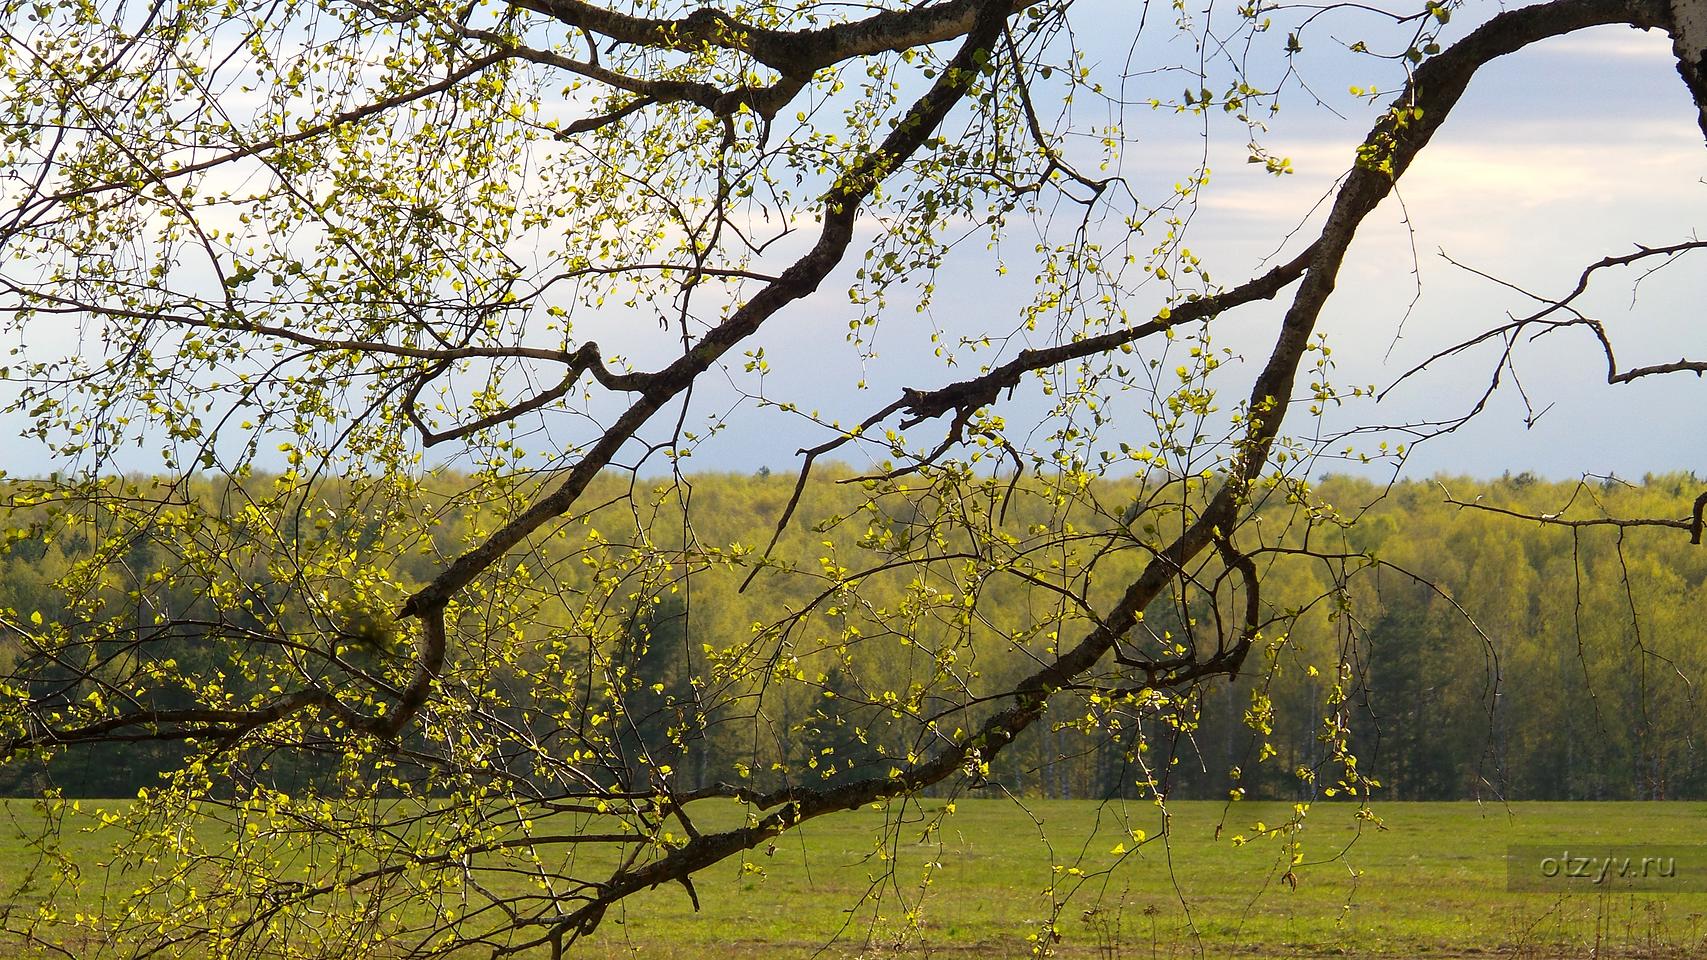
{"x":1610,"y":43}
{"x":1583,"y":171}
{"x":1483,"y":192}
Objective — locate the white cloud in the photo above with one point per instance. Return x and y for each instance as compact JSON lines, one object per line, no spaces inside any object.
{"x":1584,"y":171}
{"x":1610,"y":43}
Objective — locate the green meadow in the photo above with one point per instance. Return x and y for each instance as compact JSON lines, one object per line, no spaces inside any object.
{"x":1424,"y":880}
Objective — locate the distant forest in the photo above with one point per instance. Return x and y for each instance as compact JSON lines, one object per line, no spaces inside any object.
{"x":1486,"y":657}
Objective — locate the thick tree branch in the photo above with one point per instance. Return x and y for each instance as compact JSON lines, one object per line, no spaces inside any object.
{"x":793,"y":53}
{"x":841,"y":206}
{"x":1415,"y":115}
{"x":543,"y":752}
{"x":1688,"y":28}
{"x":967,"y":395}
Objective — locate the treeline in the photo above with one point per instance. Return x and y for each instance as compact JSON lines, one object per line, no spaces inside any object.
{"x":1442,"y":650}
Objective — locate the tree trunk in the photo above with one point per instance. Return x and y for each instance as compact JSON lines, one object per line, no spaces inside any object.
{"x":1689,"y":44}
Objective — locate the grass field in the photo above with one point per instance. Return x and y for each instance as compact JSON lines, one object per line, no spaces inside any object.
{"x":1430,"y":883}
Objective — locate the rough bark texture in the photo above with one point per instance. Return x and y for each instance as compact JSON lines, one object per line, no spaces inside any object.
{"x":1688,"y":30}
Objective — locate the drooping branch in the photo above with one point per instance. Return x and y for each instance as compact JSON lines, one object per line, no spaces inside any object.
{"x":797,"y":54}
{"x":841,"y":206}
{"x":1098,"y":655}
{"x":1413,"y":118}
{"x":38,"y":204}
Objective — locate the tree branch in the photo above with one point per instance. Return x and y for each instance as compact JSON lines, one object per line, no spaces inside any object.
{"x":1415,"y":115}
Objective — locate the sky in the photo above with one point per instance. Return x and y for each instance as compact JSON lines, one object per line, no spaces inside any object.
{"x":1575,"y":149}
